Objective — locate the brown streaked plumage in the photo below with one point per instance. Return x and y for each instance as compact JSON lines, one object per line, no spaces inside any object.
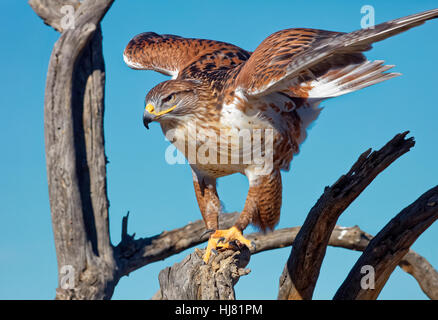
{"x":208,"y":201}
{"x":220,"y":90}
{"x":170,"y":54}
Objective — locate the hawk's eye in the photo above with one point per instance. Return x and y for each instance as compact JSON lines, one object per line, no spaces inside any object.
{"x":168,"y":98}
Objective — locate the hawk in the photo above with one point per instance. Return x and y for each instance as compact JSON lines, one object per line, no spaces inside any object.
{"x":273,"y":93}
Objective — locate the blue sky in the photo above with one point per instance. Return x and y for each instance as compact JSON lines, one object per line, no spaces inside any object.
{"x":160,"y":196}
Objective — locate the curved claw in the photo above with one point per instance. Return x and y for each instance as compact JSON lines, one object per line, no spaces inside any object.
{"x":253,"y":244}
{"x":221,"y":239}
{"x":226,"y":239}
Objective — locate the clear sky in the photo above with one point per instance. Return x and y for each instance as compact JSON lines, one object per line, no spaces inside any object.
{"x":160,"y":196}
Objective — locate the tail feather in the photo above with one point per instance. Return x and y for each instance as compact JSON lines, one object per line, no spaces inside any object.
{"x":349,"y":78}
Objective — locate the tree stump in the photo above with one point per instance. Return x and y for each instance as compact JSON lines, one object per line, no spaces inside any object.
{"x":193,"y":279}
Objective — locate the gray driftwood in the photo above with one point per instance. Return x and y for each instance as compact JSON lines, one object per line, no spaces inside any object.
{"x":192,"y":279}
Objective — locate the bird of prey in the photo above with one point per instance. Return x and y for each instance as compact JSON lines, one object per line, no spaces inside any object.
{"x":218,"y":87}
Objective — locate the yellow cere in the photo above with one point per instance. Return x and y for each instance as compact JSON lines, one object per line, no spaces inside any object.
{"x":150,"y":108}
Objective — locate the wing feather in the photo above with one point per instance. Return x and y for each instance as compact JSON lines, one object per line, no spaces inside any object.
{"x":180,"y":57}
{"x":285,"y":57}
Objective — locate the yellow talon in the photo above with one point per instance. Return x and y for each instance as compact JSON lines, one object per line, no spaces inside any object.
{"x":221,"y":239}
{"x":210,"y":246}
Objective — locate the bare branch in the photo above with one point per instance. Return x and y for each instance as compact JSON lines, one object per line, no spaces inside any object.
{"x":133,"y":254}
{"x":389,"y":246}
{"x":353,"y":238}
{"x":301,"y":272}
{"x":423,"y":272}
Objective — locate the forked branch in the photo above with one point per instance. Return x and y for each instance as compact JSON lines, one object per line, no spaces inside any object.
{"x":389,"y":246}
{"x":301,"y":272}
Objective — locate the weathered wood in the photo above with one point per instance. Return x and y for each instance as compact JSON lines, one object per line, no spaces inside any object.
{"x":51,"y":11}
{"x":301,"y":271}
{"x":168,"y":243}
{"x":423,"y":272}
{"x":75,"y":156}
{"x":389,"y":246}
{"x":192,"y":279}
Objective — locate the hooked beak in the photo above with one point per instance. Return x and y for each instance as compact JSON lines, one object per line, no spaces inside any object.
{"x":148,"y":115}
{"x":147,"y":118}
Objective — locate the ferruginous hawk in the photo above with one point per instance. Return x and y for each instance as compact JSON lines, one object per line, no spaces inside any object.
{"x":219,"y":92}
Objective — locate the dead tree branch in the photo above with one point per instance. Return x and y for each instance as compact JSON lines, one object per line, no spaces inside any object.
{"x":148,"y":250}
{"x":389,"y":246}
{"x":75,"y":155}
{"x":353,"y":238}
{"x":301,"y":272}
{"x":192,"y":279}
{"x":423,"y":272}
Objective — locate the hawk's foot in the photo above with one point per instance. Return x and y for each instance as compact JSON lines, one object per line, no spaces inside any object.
{"x":226,"y":239}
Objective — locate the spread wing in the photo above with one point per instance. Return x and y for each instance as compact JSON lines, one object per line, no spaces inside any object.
{"x":181,"y":57}
{"x":288,"y":58}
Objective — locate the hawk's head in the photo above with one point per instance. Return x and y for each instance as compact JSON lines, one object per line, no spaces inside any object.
{"x":170,"y":100}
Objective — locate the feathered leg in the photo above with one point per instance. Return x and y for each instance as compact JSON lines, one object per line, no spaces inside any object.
{"x":262,"y":208}
{"x":263,"y":203}
{"x":208,"y":200}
